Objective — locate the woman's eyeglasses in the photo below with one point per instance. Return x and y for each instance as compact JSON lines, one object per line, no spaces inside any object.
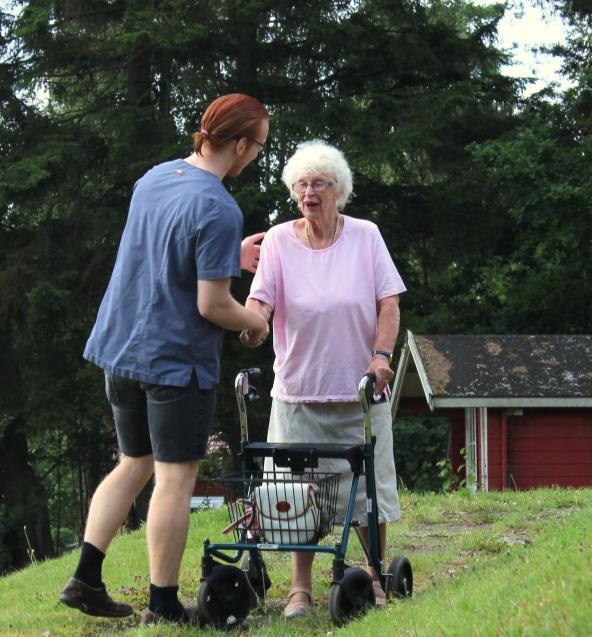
{"x":318,"y":185}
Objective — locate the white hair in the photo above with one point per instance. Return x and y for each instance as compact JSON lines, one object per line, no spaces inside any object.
{"x":318,"y":158}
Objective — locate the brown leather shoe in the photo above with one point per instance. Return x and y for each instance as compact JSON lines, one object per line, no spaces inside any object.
{"x":189,"y":618}
{"x":92,"y":601}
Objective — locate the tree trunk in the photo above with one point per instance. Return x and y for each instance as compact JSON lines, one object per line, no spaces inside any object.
{"x":138,"y":78}
{"x":26,"y":534}
{"x":24,"y":517}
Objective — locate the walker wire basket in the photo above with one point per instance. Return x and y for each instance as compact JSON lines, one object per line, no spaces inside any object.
{"x":273,"y":507}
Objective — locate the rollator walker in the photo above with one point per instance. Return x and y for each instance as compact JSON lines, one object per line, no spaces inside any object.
{"x":279,"y":501}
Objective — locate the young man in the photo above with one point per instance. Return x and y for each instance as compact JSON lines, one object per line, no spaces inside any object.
{"x":158,"y":336}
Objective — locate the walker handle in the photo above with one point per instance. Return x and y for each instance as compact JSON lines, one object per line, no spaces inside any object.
{"x":243,"y":388}
{"x":366,"y":386}
{"x":366,"y":393}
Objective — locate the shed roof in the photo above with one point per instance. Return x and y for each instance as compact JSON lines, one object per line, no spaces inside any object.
{"x":458,"y":370}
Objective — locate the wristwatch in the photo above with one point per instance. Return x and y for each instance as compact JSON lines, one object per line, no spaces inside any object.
{"x":380,"y":352}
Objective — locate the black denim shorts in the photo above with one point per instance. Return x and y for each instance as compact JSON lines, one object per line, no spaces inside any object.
{"x":171,"y":423}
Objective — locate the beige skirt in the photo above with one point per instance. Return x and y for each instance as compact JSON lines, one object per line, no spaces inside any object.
{"x":342,"y":423}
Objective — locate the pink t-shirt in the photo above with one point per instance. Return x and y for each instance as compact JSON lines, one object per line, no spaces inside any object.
{"x":324,"y":301}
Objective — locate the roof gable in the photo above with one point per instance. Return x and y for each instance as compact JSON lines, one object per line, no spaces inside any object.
{"x":503,"y":371}
{"x":558,"y":366}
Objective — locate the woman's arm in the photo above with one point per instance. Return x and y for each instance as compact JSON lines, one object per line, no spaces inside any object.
{"x":255,"y":338}
{"x":386,"y":335}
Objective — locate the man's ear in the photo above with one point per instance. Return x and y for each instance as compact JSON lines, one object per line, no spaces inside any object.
{"x":241,"y":146}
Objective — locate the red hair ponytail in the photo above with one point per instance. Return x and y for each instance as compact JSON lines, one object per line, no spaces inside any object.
{"x":229,"y":117}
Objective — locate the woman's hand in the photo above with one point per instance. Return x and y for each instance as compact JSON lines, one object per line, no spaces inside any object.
{"x":250,"y":252}
{"x":254,"y":338}
{"x":380,"y":367}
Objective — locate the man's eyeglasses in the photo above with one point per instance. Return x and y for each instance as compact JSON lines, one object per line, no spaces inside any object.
{"x":318,"y":185}
{"x":261,"y":146}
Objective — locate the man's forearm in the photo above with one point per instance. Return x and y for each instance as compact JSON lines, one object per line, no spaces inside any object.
{"x":231,"y":315}
{"x":216,"y":304}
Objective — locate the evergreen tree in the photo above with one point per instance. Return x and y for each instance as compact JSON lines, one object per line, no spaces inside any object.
{"x":93,"y":93}
{"x":538,"y":179}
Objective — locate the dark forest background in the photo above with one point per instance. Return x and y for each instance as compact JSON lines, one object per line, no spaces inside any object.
{"x":483,"y":196}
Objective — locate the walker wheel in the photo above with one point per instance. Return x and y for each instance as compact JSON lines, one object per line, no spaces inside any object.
{"x":399,"y":582}
{"x":351,"y":597}
{"x":222,"y":599}
{"x":254,"y":568}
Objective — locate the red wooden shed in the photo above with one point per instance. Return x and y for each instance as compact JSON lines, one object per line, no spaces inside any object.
{"x":520,"y":406}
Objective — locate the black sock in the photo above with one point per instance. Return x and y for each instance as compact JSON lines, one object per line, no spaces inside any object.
{"x":90,"y":566}
{"x":164,"y":602}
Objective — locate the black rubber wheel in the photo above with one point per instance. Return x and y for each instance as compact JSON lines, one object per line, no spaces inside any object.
{"x":211,"y":611}
{"x":399,"y":583}
{"x":256,"y":574}
{"x":351,"y":597}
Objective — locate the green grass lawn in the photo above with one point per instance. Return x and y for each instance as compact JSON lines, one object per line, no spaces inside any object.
{"x":488,"y":565}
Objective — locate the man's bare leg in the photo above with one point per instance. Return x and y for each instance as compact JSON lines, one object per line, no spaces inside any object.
{"x":114,"y":497}
{"x":109,"y":507}
{"x":168,"y":519}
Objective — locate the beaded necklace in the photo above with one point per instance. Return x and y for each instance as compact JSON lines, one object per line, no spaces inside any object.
{"x":308,"y":242}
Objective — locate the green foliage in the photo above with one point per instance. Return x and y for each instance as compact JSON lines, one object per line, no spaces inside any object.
{"x":536,"y":175}
{"x":450,"y":480}
{"x":420,"y":446}
{"x":218,"y":461}
{"x":482,"y":198}
{"x":5,"y":553}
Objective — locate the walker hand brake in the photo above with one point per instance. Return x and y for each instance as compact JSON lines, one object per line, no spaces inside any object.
{"x":249,"y":390}
{"x":243,"y":388}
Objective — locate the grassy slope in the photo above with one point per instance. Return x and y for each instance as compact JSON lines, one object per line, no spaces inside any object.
{"x":495,"y":564}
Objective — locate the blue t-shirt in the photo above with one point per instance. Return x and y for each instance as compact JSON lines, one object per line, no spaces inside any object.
{"x":183,"y":225}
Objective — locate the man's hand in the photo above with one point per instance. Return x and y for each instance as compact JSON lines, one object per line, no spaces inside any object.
{"x":250,"y":252}
{"x":384,"y":374}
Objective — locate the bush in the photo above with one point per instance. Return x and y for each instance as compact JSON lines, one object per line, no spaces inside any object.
{"x":420,"y":442}
{"x":218,"y":461}
{"x":67,"y":540}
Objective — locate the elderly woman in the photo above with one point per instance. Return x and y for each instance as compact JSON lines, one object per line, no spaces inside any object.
{"x":333,"y":290}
